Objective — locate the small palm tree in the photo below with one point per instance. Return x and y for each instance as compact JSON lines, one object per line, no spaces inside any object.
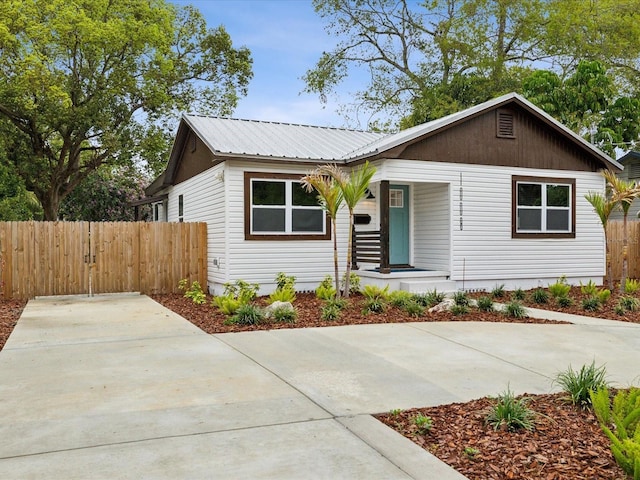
{"x":331,"y":199}
{"x":623,"y":193}
{"x":603,"y":205}
{"x":354,"y":188}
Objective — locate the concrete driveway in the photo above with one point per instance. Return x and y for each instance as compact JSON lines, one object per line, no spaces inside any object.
{"x":116,"y":386}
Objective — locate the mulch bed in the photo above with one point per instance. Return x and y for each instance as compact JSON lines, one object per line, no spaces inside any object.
{"x":566,"y":443}
{"x":10,"y":311}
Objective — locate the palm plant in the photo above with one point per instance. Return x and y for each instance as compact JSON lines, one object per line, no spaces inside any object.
{"x":623,"y":193}
{"x":603,"y":205}
{"x":330,"y":197}
{"x":354,"y":188}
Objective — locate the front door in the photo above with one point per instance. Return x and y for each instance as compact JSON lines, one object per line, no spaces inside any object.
{"x":398,"y":224}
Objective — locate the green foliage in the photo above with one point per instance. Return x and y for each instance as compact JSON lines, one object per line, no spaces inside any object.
{"x":86,"y":84}
{"x":591,"y":304}
{"x":338,"y":302}
{"x":510,"y":413}
{"x":564,"y":301}
{"x":330,"y":312}
{"x":354,"y":282}
{"x":457,"y":309}
{"x":485,"y":303}
{"x":560,"y":288}
{"x":400,"y":298}
{"x":471,"y":452}
{"x":628,"y":303}
{"x":395,"y":411}
{"x":423,"y":422}
{"x":327,"y":282}
{"x":284,"y":314}
{"x":631,"y":286}
{"x":430,"y":298}
{"x":284,"y":282}
{"x":590,"y":288}
{"x":286,"y":294}
{"x":518,"y":294}
{"x":540,"y":296}
{"x":621,"y":424}
{"x":373,"y":292}
{"x":619,"y":309}
{"x":16,"y":202}
{"x":603,"y":295}
{"x":461,"y":299}
{"x":227,"y":304}
{"x":498,"y":291}
{"x":515,"y":309}
{"x":414,"y":309}
{"x":579,"y":383}
{"x":324,"y":292}
{"x":374,"y":305}
{"x":194,"y":292}
{"x":247,"y":314}
{"x":243,"y":291}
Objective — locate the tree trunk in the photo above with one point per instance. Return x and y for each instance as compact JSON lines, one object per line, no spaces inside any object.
{"x":347,"y":275}
{"x":607,"y":264}
{"x":625,"y":249}
{"x":335,"y":256}
{"x":50,"y":202}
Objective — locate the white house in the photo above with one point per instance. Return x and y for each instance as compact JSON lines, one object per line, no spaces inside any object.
{"x":490,"y":195}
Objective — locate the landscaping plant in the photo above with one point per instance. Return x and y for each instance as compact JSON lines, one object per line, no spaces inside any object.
{"x":330,"y":312}
{"x":560,"y":288}
{"x":461,"y":299}
{"x":354,"y":283}
{"x":194,"y":292}
{"x":485,"y":304}
{"x":414,"y":309}
{"x":591,"y":304}
{"x":423,"y":422}
{"x":510,"y":413}
{"x":631,"y":286}
{"x":247,"y":314}
{"x":498,"y":291}
{"x":515,"y":309}
{"x":578,"y":383}
{"x":518,"y":294}
{"x":400,"y":298}
{"x":430,"y":298}
{"x":284,"y":314}
{"x":373,"y":292}
{"x":540,"y":295}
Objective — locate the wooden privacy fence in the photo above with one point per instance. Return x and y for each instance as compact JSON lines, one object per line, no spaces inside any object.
{"x":68,"y":258}
{"x":615,"y":237}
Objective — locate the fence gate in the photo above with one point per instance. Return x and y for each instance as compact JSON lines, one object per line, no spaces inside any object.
{"x":68,"y":258}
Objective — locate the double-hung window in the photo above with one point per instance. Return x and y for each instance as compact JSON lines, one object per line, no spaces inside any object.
{"x":543,"y":207}
{"x":277,"y":206}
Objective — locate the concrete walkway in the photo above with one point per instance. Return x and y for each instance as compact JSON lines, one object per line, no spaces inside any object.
{"x":116,"y":386}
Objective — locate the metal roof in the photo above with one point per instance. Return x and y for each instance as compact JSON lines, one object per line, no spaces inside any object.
{"x":233,"y":137}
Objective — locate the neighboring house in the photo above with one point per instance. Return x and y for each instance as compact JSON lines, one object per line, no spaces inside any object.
{"x":631,"y":163}
{"x":490,"y":195}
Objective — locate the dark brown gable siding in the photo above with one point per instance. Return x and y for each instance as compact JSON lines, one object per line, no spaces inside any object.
{"x":474,"y":141}
{"x":195,"y":159}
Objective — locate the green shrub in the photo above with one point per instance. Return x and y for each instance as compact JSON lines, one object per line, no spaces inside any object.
{"x":324,"y":292}
{"x":631,"y":286}
{"x":510,"y":413}
{"x":354,"y":283}
{"x":194,"y":292}
{"x":285,"y":282}
{"x":414,"y":309}
{"x":327,"y":282}
{"x":374,"y":305}
{"x":603,"y":295}
{"x":461,"y":298}
{"x":630,"y":304}
{"x":578,"y":383}
{"x":330,"y":312}
{"x":373,"y":292}
{"x":284,"y":314}
{"x":423,"y":422}
{"x":340,"y":303}
{"x":515,"y":309}
{"x":621,"y":424}
{"x":591,"y":304}
{"x":590,"y":288}
{"x":540,"y":296}
{"x":560,"y":288}
{"x":564,"y":301}
{"x":619,"y":309}
{"x":430,"y":298}
{"x":243,"y":291}
{"x":485,"y":303}
{"x":227,"y":304}
{"x":286,"y":294}
{"x":400,"y":298}
{"x":247,"y":314}
{"x":498,"y":291}
{"x":518,"y":294}
{"x":459,"y":309}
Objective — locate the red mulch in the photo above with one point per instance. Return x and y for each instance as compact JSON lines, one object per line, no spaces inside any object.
{"x":10,"y":311}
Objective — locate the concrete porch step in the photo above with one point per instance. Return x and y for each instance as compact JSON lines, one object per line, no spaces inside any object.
{"x":422,"y":286}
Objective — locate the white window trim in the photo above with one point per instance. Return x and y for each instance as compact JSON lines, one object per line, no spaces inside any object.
{"x":544,"y":207}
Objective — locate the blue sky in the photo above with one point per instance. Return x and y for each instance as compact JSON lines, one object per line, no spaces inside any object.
{"x":286,"y":38}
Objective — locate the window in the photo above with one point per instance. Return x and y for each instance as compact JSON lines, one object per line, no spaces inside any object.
{"x":277,"y":206}
{"x":543,"y":207}
{"x":396,"y":198}
{"x":180,"y":208}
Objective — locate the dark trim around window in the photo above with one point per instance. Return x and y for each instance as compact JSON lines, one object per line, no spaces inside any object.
{"x":544,"y":180}
{"x":248,"y":176}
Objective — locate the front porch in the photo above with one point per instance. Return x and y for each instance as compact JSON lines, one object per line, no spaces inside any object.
{"x":411,"y":280}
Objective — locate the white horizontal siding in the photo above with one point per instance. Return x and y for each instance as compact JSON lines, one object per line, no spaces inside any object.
{"x":431,"y":239}
{"x":483,"y":249}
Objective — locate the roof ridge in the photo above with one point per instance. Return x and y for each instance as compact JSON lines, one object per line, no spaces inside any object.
{"x":249,"y":120}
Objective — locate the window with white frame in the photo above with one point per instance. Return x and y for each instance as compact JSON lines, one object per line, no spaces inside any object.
{"x":543,"y":206}
{"x":278,"y":205}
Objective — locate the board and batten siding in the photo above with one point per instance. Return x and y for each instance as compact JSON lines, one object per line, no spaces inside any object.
{"x":259,"y":261}
{"x":204,"y":201}
{"x":482,"y":251}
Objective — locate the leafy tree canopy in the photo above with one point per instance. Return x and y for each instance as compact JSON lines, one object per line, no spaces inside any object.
{"x":434,"y":57}
{"x":90,"y":82}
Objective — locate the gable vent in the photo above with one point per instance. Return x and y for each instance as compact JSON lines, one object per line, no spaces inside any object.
{"x":504,"y":124}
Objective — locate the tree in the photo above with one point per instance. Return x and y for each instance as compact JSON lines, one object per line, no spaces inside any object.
{"x":331,"y":198}
{"x":84,"y":83}
{"x":604,"y":205}
{"x":105,"y":196}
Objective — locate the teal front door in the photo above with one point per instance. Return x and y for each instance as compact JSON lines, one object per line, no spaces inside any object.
{"x":398,"y":224}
